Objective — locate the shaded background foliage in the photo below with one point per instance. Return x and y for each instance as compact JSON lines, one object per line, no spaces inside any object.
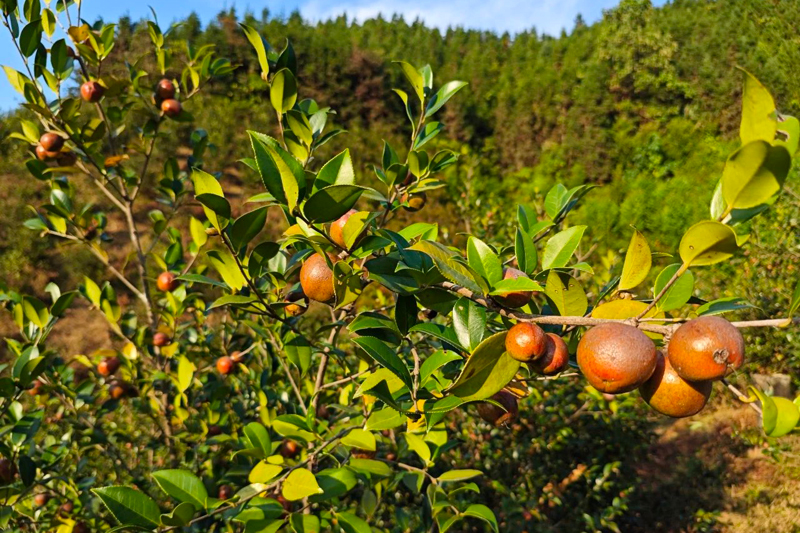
{"x":645,"y":102}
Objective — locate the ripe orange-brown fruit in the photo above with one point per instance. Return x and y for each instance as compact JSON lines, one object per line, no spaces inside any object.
{"x":316,"y":279}
{"x":52,"y":142}
{"x":616,"y":357}
{"x":671,"y":395}
{"x":414,"y":202}
{"x":165,"y":89}
{"x":706,"y":348}
{"x":214,"y":430}
{"x":161,"y":339}
{"x":108,"y":366}
{"x":225,"y":492}
{"x":36,"y":388}
{"x":287,"y":505}
{"x":499,"y":416}
{"x":166,"y":282}
{"x":41,"y":499}
{"x":116,"y":391}
{"x":517,"y":299}
{"x":66,"y":508}
{"x":8,"y":470}
{"x":80,"y":527}
{"x":171,"y":107}
{"x":555,"y":358}
{"x":337,"y":228}
{"x":297,"y":303}
{"x":525,"y":342}
{"x":43,"y":154}
{"x":289,"y":448}
{"x":224,"y":365}
{"x":91,"y":91}
{"x":66,"y":159}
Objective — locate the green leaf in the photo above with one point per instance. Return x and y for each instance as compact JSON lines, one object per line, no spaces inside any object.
{"x":179,"y":516}
{"x":482,"y":512}
{"x":754,"y":173}
{"x":561,"y":246}
{"x":786,"y":418}
{"x":444,"y":94}
{"x":299,"y":484}
{"x":304,"y":523}
{"x":515,"y":285}
{"x":260,"y":46}
{"x":723,"y":305}
{"x":758,"y":107}
{"x":566,"y":294}
{"x":205,"y":183}
{"x":257,"y":434}
{"x":360,"y":438}
{"x":353,"y":524}
{"x":427,"y":133}
{"x":469,"y":322}
{"x":680,"y":292}
{"x":283,"y":91}
{"x":246,"y":227}
{"x":337,"y":171}
{"x":198,"y":231}
{"x":185,"y":373}
{"x":487,"y":371}
{"x":386,"y":418}
{"x":130,"y":506}
{"x":226,"y":265}
{"x":278,"y":168}
{"x":484,"y":261}
{"x":371,"y":466}
{"x":414,"y":78}
{"x":434,"y":362}
{"x":795,"y":303}
{"x":298,"y":350}
{"x":459,"y":475}
{"x":264,"y":472}
{"x":638,"y":261}
{"x":707,"y":242}
{"x":525,"y":250}
{"x":335,"y":482}
{"x":386,"y":357}
{"x":454,"y":271}
{"x":419,"y":446}
{"x":332,"y":202}
{"x":183,"y":485}
{"x":30,"y":38}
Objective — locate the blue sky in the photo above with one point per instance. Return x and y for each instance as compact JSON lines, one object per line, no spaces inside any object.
{"x":547,"y":16}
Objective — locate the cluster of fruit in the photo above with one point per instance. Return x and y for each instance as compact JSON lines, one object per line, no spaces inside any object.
{"x":616,"y":358}
{"x":51,"y":145}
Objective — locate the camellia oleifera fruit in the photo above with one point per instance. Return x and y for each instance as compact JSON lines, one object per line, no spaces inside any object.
{"x":171,"y":107}
{"x":499,"y":416}
{"x":616,"y":357}
{"x":670,"y":394}
{"x":296,"y":303}
{"x":316,"y":279}
{"x":555,"y":357}
{"x":92,"y":91}
{"x":161,"y":339}
{"x":706,"y":348}
{"x":166,"y":282}
{"x":526,"y":342}
{"x":516,"y":299}
{"x":52,"y":142}
{"x":108,"y":366}
{"x":224,"y":365}
{"x":165,"y":89}
{"x":337,"y":228}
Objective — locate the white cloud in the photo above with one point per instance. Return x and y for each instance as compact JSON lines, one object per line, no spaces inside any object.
{"x":547,"y":16}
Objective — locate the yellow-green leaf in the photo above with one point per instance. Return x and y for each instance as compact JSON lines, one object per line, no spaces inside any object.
{"x":754,"y":173}
{"x":758,"y":108}
{"x":638,"y":261}
{"x":707,"y":242}
{"x":300,"y":484}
